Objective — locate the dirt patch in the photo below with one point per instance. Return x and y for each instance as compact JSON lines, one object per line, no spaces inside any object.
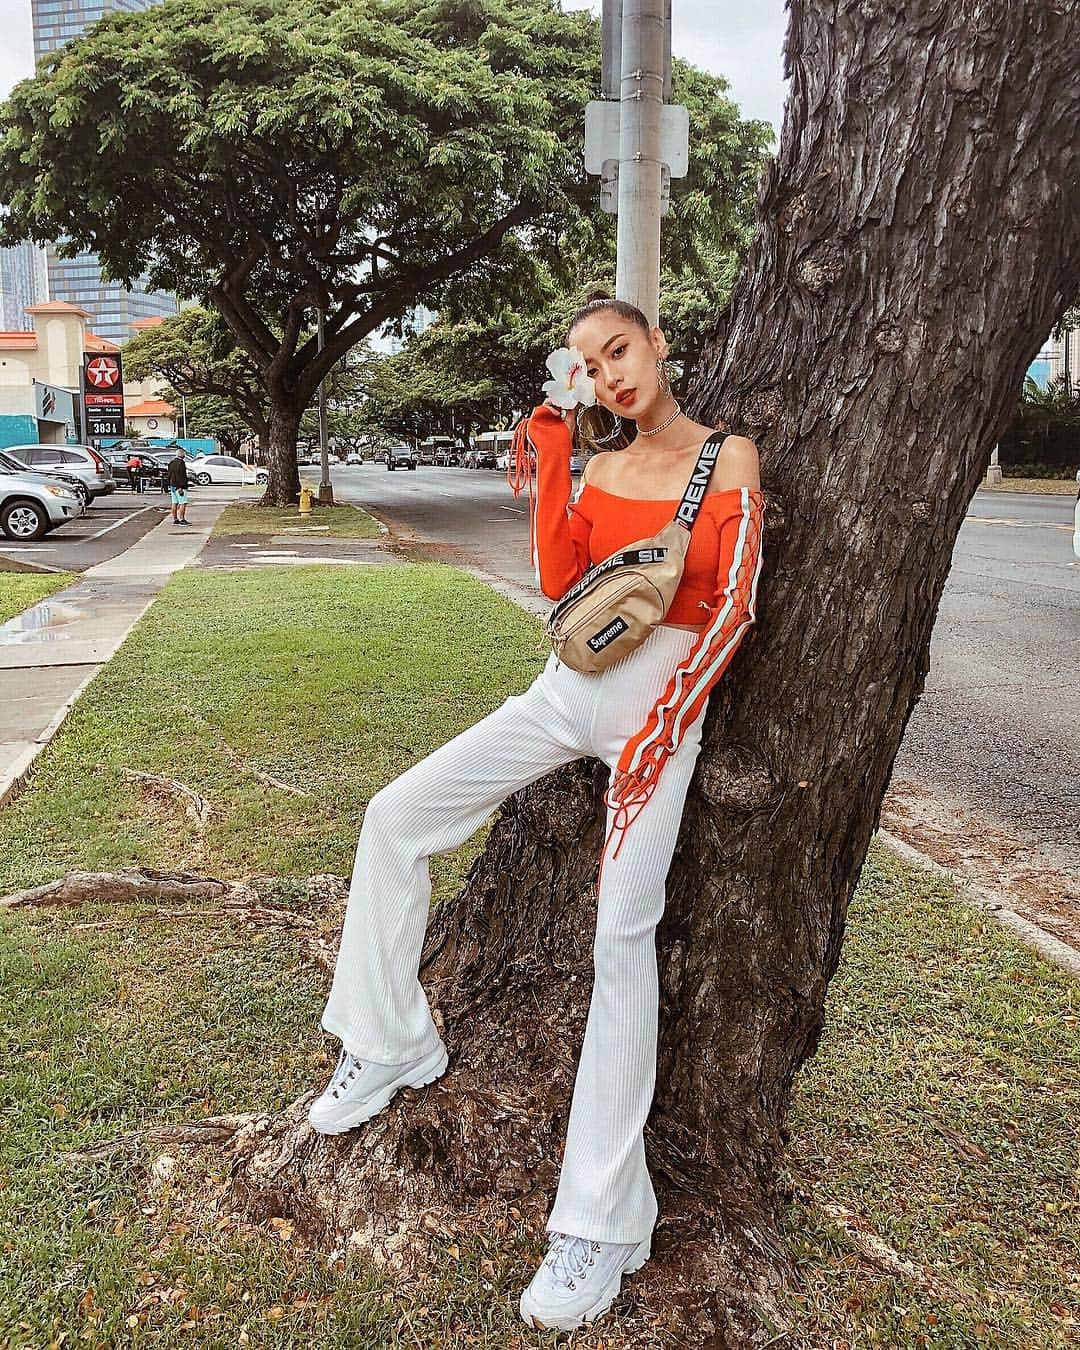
{"x":1046,"y":487}
{"x":979,"y":849}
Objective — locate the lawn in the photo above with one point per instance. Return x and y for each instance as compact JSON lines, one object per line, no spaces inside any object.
{"x":20,"y":590}
{"x":339,"y":522}
{"x":940,"y":1109}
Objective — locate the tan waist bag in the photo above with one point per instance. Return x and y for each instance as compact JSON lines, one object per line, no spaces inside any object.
{"x":618,"y":602}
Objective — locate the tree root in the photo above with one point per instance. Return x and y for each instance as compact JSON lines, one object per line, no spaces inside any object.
{"x":238,"y":761}
{"x":860,"y":1233}
{"x":134,"y":885}
{"x":196,"y":806}
{"x":185,"y":1134}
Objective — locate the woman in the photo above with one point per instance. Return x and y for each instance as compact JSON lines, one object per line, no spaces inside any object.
{"x":642,"y":716}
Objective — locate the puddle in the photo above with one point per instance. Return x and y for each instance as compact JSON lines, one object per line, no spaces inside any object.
{"x":40,"y":623}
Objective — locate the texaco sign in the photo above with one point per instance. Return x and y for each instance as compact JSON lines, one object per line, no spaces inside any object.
{"x":103,"y":394}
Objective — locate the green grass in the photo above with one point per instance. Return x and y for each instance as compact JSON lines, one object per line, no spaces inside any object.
{"x":339,"y":522}
{"x":20,"y":590}
{"x":114,"y":1019}
{"x":334,"y":680}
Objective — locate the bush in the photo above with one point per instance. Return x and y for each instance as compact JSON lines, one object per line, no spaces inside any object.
{"x":1065,"y":471}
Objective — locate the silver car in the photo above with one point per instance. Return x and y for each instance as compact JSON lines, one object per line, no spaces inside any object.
{"x":31,"y":506}
{"x":81,"y":460}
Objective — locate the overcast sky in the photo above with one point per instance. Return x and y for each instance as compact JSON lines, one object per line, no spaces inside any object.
{"x":740,"y":41}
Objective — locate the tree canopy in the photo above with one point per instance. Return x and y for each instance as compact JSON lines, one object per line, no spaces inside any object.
{"x":272,"y":156}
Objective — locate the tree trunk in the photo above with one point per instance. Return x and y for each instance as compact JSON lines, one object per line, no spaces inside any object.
{"x":283,"y":486}
{"x":915,"y":244}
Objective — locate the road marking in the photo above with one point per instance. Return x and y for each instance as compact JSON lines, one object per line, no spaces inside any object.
{"x":123,"y":519}
{"x":1020,"y":524}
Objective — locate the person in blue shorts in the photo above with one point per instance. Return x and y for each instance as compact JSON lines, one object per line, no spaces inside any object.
{"x":177,"y":480}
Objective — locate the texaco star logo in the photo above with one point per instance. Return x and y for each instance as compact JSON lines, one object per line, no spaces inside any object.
{"x":103,"y":372}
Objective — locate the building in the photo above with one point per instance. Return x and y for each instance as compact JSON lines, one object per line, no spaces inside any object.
{"x":385,"y":344}
{"x":40,"y":372}
{"x":78,"y":281}
{"x":24,"y":280}
{"x":1057,"y":357}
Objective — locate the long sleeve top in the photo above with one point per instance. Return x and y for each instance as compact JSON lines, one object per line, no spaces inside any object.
{"x":718,"y":585}
{"x":176,"y":474}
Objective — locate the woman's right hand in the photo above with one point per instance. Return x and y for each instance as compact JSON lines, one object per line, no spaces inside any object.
{"x":568,"y":415}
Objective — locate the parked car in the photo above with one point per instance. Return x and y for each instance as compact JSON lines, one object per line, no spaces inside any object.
{"x":10,"y":463}
{"x":81,"y":460}
{"x":31,"y":506}
{"x":354,"y":457}
{"x":400,"y":457}
{"x":486,"y":459}
{"x":447,"y":458}
{"x":224,"y":469}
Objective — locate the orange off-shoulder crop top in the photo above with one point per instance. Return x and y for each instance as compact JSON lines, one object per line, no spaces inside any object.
{"x":718,"y":586}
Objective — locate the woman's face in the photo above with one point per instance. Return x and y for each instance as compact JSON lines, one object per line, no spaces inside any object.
{"x":620,"y":356}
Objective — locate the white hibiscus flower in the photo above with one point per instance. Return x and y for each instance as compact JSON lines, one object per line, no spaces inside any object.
{"x":571,"y":385}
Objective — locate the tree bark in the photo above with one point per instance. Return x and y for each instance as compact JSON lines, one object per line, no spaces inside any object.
{"x":283,"y":484}
{"x":916,"y":242}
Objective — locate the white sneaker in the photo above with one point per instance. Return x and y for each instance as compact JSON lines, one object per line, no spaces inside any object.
{"x":359,"y":1088}
{"x":579,"y":1280}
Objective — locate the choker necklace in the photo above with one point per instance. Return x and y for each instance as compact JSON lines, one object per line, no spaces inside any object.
{"x":653,"y":430}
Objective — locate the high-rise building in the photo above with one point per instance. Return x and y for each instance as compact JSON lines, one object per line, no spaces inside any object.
{"x":24,"y":280}
{"x":78,"y":280}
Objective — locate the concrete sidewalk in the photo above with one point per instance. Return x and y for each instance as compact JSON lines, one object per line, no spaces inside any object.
{"x":51,"y":652}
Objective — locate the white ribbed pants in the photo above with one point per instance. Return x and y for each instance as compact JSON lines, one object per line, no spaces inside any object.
{"x":377,"y":1007}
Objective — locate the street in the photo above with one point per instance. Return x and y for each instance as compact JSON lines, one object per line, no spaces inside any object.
{"x":111,"y":525}
{"x":988,"y":774}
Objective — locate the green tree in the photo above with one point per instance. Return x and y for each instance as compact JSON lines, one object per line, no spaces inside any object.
{"x":271,"y":157}
{"x":212,"y":415}
{"x":196,"y":355}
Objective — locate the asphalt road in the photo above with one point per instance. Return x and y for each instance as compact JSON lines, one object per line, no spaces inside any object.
{"x":995,"y":738}
{"x":112,"y":524}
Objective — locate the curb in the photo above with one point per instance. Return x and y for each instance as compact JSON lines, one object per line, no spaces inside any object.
{"x":1051,"y":948}
{"x":16,"y":778}
{"x":13,"y":782}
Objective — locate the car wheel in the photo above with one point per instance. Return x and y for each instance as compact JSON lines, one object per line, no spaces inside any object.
{"x":203,"y":479}
{"x":23,"y":519}
{"x":262,"y":478}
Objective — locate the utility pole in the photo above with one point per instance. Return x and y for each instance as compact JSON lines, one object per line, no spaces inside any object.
{"x":326,"y":488}
{"x":636,"y":141}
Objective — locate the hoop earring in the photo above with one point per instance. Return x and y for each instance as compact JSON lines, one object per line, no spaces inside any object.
{"x":616,"y":429}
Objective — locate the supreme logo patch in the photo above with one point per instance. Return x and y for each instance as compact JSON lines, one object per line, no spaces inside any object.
{"x":607,"y":635}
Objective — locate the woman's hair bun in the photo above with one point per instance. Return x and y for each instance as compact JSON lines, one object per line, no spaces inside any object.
{"x":597,"y":293}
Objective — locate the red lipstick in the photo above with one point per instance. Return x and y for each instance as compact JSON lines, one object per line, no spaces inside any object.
{"x":625,"y":396}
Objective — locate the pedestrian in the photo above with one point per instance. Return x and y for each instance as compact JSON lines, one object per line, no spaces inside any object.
{"x":177,"y":479}
{"x":134,"y":468}
{"x":643,"y":716}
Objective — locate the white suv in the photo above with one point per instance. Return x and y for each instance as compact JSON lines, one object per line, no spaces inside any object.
{"x":31,"y":506}
{"x":81,"y":460}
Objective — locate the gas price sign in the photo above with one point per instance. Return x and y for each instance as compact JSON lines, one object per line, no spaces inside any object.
{"x":103,"y":393}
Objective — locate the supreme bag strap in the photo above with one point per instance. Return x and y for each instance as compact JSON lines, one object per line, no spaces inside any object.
{"x":696,"y":488}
